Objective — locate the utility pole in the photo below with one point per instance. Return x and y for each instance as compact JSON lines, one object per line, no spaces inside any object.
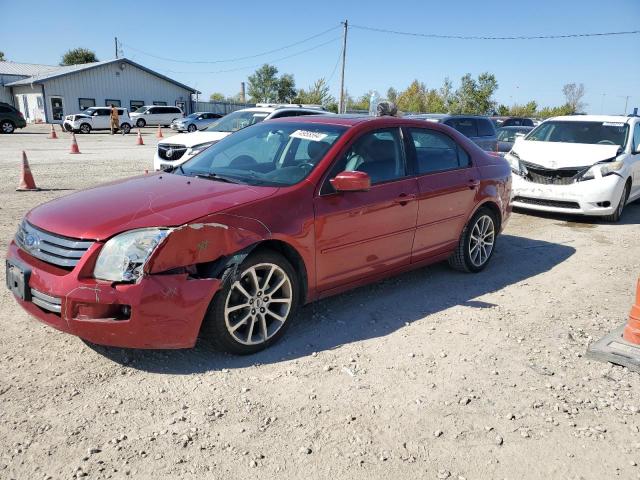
{"x":626,"y":102}
{"x":341,"y":105}
{"x":116,"y":42}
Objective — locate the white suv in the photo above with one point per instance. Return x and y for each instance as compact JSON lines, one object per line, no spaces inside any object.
{"x":176,"y":150}
{"x":156,"y":115}
{"x":583,"y":164}
{"x":96,"y":118}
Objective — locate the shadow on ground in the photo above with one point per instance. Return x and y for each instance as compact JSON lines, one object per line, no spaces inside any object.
{"x":368,"y":312}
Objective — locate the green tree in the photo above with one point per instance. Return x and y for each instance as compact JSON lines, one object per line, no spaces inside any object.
{"x":217,"y":97}
{"x":573,"y":94}
{"x":475,"y":96}
{"x":414,"y":98}
{"x":548,"y":112}
{"x":434,"y":102}
{"x":503,"y":110}
{"x":77,"y":56}
{"x":2,"y":59}
{"x":527,"y":110}
{"x":286,"y":89}
{"x":447,"y":95}
{"x":392,"y":95}
{"x":265,"y":85}
{"x":317,"y":94}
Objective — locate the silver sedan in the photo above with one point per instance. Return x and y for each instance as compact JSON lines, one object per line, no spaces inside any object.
{"x":195,"y":121}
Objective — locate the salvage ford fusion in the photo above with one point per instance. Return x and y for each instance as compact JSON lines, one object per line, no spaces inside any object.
{"x":585,"y":164}
{"x":279,"y":214}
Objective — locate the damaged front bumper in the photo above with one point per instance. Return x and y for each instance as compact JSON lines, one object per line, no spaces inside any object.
{"x":162,"y":310}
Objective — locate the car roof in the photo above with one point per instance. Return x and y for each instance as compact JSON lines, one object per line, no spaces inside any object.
{"x":516,"y":127}
{"x":350,"y":120}
{"x":593,"y":118}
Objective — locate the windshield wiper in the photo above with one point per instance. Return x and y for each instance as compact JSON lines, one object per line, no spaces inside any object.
{"x":215,"y":176}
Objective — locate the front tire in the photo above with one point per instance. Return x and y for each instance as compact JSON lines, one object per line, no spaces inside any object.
{"x":615,"y":216}
{"x":255,"y":305}
{"x":191,"y":128}
{"x":7,"y":126}
{"x":477,"y":242}
{"x":85,"y":128}
{"x":140,"y":123}
{"x":126,"y":128}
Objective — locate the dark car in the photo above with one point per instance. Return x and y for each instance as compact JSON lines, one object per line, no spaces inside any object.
{"x":517,"y":122}
{"x":480,"y":130}
{"x":10,"y":118}
{"x":269,"y":218}
{"x":507,"y":137}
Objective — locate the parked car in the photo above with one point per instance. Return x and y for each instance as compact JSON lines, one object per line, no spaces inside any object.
{"x":156,"y":115}
{"x":480,"y":130}
{"x":507,"y":136}
{"x":96,"y":118}
{"x":10,"y":118}
{"x":588,"y":165}
{"x":178,"y":149}
{"x":277,"y":215}
{"x":517,"y":122}
{"x":195,"y":121}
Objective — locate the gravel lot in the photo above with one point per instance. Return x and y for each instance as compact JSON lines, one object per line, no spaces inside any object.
{"x":432,"y":374}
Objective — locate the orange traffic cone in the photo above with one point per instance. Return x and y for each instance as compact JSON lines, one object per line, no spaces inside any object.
{"x":74,"y":144}
{"x":632,"y":330}
{"x":26,"y":178}
{"x":159,"y":134}
{"x":139,"y":141}
{"x":53,"y":134}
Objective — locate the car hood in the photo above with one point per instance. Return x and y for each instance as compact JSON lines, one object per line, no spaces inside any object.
{"x":562,"y":155}
{"x":81,"y":115}
{"x":195,"y":138}
{"x":161,"y":199}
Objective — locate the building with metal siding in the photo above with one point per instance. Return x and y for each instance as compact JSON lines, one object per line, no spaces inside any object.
{"x":53,"y":92}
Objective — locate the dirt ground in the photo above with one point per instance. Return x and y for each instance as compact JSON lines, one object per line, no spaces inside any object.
{"x":431,"y":374}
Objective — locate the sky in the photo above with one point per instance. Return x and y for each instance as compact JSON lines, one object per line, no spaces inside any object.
{"x":207,"y":31}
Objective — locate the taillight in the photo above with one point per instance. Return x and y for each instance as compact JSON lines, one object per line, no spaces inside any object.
{"x":20,"y":114}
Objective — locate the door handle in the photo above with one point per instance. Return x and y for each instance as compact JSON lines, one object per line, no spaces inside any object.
{"x":473,"y":183}
{"x":405,"y":198}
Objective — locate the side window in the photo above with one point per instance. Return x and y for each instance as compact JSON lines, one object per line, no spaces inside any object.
{"x":5,"y":109}
{"x":377,"y":153}
{"x":466,"y":126}
{"x":636,"y":137}
{"x":485,"y":128}
{"x":104,"y":112}
{"x":437,"y":152}
{"x":120,"y":111}
{"x":153,"y":110}
{"x":174,"y":110}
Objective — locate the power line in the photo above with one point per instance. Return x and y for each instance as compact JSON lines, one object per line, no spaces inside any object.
{"x":260,"y":64}
{"x":237,"y":59}
{"x":473,"y":37}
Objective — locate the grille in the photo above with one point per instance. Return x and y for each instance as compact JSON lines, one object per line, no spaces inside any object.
{"x":176,"y":151}
{"x":547,"y":176}
{"x":46,"y":302}
{"x":55,"y":249}
{"x":547,"y":203}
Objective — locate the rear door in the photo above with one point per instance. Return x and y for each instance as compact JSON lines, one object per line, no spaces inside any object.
{"x":447,"y":186}
{"x":360,"y":234}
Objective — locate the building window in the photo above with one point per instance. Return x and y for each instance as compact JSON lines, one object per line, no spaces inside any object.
{"x":162,"y":104}
{"x":85,"y":103}
{"x":109,"y":101}
{"x":135,"y":104}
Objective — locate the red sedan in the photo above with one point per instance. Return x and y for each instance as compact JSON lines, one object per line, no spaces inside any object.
{"x":277,"y":215}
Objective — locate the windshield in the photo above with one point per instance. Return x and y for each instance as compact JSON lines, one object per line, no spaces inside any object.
{"x":193,"y":115}
{"x":89,"y":111}
{"x":601,"y":133}
{"x":509,"y":134}
{"x":141,"y":110}
{"x":236,"y":121}
{"x":266,"y":154}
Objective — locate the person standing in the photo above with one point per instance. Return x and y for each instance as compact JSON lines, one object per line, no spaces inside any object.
{"x":115,"y":119}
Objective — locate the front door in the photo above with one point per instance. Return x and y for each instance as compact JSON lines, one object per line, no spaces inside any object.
{"x":57,"y":109}
{"x":447,"y":187}
{"x":359,"y":234}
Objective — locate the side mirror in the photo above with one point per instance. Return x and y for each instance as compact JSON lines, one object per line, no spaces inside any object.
{"x":351,"y":181}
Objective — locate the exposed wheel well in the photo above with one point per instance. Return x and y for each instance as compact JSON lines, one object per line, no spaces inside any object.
{"x":290,"y":253}
{"x":496,"y":211}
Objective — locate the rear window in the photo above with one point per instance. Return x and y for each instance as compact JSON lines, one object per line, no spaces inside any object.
{"x":485,"y":128}
{"x":5,"y":109}
{"x":172,"y":110}
{"x":466,"y":126}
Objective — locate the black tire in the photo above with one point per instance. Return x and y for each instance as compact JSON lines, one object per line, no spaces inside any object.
{"x":191,"y":128}
{"x":140,"y":123}
{"x":615,"y":216}
{"x":461,"y":259}
{"x":214,"y":327}
{"x":125,"y":127}
{"x":7,"y":126}
{"x":85,"y":128}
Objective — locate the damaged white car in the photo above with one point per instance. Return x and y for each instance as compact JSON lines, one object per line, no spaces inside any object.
{"x":587,"y":165}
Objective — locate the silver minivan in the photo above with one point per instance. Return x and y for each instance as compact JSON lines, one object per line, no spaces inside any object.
{"x":156,"y":115}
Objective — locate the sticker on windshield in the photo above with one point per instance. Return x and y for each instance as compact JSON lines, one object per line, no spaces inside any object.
{"x":612,"y":124}
{"x":307,"y":135}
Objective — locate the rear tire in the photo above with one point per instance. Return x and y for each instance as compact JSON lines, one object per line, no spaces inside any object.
{"x":254,"y":306}
{"x":615,"y":216}
{"x":140,"y":123}
{"x":125,"y":127}
{"x":477,"y":242}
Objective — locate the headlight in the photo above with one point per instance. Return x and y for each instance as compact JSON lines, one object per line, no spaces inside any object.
{"x":201,"y":147}
{"x":603,"y":168}
{"x":122,"y":257}
{"x":514,"y":162}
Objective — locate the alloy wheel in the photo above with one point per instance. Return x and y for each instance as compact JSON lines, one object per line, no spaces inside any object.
{"x":7,"y":127}
{"x":258,"y":304}
{"x":481,"y":240}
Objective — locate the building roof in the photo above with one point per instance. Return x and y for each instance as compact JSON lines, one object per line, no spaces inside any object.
{"x":24,"y":69}
{"x":44,"y":76}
